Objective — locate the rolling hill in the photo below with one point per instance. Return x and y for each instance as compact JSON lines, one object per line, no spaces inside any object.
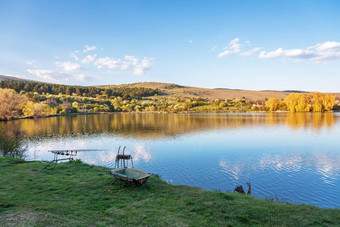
{"x":170,"y":89}
{"x":11,"y":78}
{"x":207,"y":93}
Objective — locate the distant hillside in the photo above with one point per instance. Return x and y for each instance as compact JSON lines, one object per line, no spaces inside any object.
{"x":170,"y":89}
{"x":11,"y":78}
{"x":206,"y":93}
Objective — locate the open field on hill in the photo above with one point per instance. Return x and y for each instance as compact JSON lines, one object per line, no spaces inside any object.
{"x":207,"y":93}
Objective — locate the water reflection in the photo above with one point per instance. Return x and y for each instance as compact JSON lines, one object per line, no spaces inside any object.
{"x":165,"y":125}
{"x":141,"y":154}
{"x":316,"y":121}
{"x":326,"y":165}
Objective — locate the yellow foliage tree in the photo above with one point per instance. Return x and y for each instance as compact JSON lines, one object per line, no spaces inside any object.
{"x":10,"y":102}
{"x":291,"y":101}
{"x":41,"y":110}
{"x":329,"y":102}
{"x":273,"y":104}
{"x":28,"y":109}
{"x":302,"y":103}
{"x":75,"y":105}
{"x":31,"y":109}
{"x":317,"y":101}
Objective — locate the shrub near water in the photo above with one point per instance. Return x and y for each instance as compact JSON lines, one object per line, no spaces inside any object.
{"x":11,"y":142}
{"x":10,"y":102}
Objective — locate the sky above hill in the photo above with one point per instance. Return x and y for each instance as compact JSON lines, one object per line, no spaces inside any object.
{"x":253,"y":45}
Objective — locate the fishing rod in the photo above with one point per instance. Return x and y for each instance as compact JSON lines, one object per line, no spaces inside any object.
{"x":75,"y":150}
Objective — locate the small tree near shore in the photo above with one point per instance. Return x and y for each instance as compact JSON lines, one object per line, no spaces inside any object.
{"x":10,"y":102}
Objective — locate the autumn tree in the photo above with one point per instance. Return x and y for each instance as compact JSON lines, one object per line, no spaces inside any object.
{"x":31,"y":109}
{"x":302,"y":103}
{"x":316,"y":101}
{"x":273,"y":104}
{"x":10,"y":102}
{"x":329,"y":102}
{"x":41,"y":110}
{"x":297,"y":102}
{"x":28,"y":109}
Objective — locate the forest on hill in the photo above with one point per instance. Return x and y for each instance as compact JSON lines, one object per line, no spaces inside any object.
{"x":35,"y":99}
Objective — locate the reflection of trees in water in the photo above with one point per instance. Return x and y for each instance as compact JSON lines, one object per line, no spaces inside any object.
{"x":163,"y":125}
{"x":11,"y":142}
{"x":315,"y":121}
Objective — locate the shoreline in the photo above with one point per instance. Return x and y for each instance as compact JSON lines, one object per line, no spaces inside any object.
{"x":85,"y":194}
{"x":160,"y":112}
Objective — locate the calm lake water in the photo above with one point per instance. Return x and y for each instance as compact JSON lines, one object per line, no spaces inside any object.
{"x":294,"y":156}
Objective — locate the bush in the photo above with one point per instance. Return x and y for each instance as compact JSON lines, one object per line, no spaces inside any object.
{"x":10,"y":104}
{"x":11,"y":142}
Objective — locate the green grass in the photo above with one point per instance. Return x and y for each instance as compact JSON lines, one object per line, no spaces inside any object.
{"x":76,"y":194}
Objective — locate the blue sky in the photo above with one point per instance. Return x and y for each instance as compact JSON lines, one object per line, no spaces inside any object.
{"x":231,"y":44}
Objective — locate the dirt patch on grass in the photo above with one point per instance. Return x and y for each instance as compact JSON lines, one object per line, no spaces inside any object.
{"x":21,"y":218}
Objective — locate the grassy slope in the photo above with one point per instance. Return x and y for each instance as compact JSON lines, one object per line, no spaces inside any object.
{"x":207,"y":93}
{"x":77,"y":194}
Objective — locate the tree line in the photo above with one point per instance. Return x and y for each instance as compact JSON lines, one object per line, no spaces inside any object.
{"x":19,"y":103}
{"x":302,"y":102}
{"x":55,"y":89}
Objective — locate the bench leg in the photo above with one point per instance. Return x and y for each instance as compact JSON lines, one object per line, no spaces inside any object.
{"x":47,"y":165}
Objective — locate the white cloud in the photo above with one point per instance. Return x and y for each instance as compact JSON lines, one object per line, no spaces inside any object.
{"x":143,"y":67}
{"x":89,"y":48}
{"x":110,"y":63}
{"x":82,"y":77}
{"x":58,"y":76}
{"x":326,"y":46}
{"x":69,"y":66}
{"x":88,"y":59}
{"x":130,"y":62}
{"x":292,"y":53}
{"x":250,"y":52}
{"x":234,"y":47}
{"x":49,"y":74}
{"x":328,"y":51}
{"x":68,"y":71}
{"x":133,"y":59}
{"x":321,"y":52}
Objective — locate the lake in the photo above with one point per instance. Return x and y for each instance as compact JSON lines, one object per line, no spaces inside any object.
{"x":292,"y":156}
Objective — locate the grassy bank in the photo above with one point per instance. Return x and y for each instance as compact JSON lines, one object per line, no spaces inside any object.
{"x":76,"y":194}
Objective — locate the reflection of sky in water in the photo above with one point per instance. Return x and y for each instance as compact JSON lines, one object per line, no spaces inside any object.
{"x":298,"y":164}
